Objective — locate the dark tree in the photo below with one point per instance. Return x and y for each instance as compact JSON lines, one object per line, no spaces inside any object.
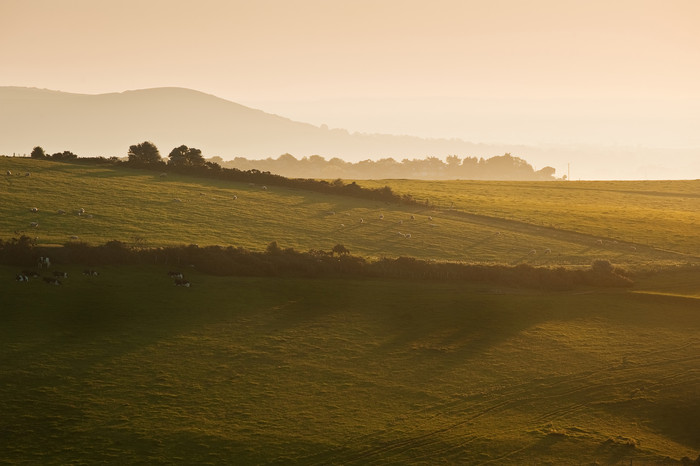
{"x":65,"y":155}
{"x":340,"y":250}
{"x":184,"y":156}
{"x":38,"y":153}
{"x":146,"y":152}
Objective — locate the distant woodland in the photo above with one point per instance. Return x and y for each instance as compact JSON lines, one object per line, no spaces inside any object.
{"x":502,"y":167}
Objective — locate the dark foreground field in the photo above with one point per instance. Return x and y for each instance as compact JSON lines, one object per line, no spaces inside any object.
{"x":126,"y":368}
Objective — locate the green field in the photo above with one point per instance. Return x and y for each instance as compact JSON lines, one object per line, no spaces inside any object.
{"x":126,"y":368}
{"x":492,"y":222}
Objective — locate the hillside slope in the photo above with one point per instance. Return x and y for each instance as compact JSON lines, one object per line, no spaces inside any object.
{"x":139,"y":207}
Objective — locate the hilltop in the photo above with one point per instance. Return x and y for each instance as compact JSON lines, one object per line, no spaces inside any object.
{"x":106,"y":124}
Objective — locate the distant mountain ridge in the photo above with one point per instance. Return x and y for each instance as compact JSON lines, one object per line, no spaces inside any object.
{"x":107,"y":124}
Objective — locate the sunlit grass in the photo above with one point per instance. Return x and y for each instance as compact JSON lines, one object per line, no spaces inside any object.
{"x":564,"y":224}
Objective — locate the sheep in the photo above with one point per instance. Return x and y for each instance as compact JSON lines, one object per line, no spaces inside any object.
{"x":74,"y":237}
{"x":177,"y":200}
{"x":58,"y":274}
{"x":235,"y":197}
{"x":88,"y":216}
{"x":407,"y":236}
{"x":34,"y":209}
{"x":430,"y":218}
{"x":547,"y":251}
{"x":44,"y":262}
{"x":400,"y":222}
{"x":182,"y":282}
{"x":342,"y":225}
{"x":30,"y":273}
{"x":413,"y":217}
{"x":60,"y":211}
{"x":532,"y":252}
{"x":34,"y":224}
{"x":27,"y":174}
{"x":52,"y":281}
{"x":22,"y":278}
{"x":381,"y":217}
{"x":81,"y":211}
{"x":362,"y":220}
{"x":90,"y":273}
{"x":599,"y":242}
{"x":264,"y":188}
{"x":163,"y":175}
{"x":9,"y":173}
{"x":175,"y":275}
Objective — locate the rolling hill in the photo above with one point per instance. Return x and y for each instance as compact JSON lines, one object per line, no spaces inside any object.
{"x":125,"y":367}
{"x":107,"y":124}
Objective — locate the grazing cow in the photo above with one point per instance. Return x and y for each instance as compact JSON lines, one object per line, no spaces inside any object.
{"x":182,"y":282}
{"x":58,"y":274}
{"x":90,"y":273}
{"x":44,"y":262}
{"x":52,"y":281}
{"x":22,"y":278}
{"x":175,"y":275}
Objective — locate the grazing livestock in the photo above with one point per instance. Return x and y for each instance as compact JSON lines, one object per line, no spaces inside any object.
{"x":60,"y":211}
{"x":9,"y":172}
{"x":182,"y":282}
{"x":90,"y":273}
{"x":400,"y":222}
{"x":264,"y":188}
{"x":407,"y":236}
{"x":381,"y":217}
{"x":30,"y":273}
{"x":599,"y":242}
{"x":175,"y":275}
{"x":22,"y":278}
{"x":634,"y":248}
{"x":362,"y":220}
{"x":27,"y":174}
{"x":413,"y":217}
{"x":342,"y":225}
{"x":235,"y":197}
{"x":430,"y":218}
{"x":44,"y":262}
{"x":163,"y":175}
{"x":34,"y":224}
{"x":73,"y":237}
{"x":532,"y":252}
{"x":547,"y":251}
{"x":34,"y":209}
{"x":81,"y":211}
{"x":52,"y":281}
{"x":58,"y":274}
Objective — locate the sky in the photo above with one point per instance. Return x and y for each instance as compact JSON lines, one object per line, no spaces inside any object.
{"x":593,"y":72}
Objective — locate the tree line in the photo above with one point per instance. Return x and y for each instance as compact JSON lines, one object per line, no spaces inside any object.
{"x":276,"y":261}
{"x":190,"y":161}
{"x":502,"y":167}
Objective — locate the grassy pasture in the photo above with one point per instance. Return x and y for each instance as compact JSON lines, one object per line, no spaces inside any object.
{"x":649,"y":214}
{"x":513,"y":218}
{"x":126,"y":368}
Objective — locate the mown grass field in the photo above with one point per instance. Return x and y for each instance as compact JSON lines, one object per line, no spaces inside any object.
{"x":126,"y":368}
{"x":513,"y":219}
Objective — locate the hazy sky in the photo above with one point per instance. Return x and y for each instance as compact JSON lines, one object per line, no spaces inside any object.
{"x":563,"y":71}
